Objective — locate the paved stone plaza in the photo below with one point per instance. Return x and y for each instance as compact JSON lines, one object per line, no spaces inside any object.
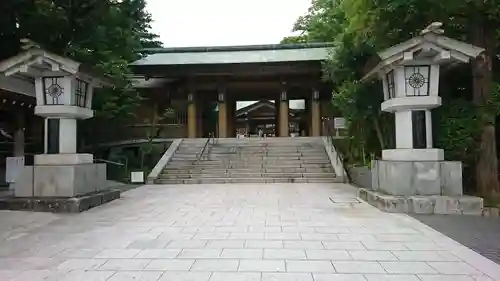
{"x":249,"y":232}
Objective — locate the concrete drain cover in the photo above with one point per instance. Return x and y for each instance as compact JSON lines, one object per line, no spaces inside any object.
{"x":345,"y":200}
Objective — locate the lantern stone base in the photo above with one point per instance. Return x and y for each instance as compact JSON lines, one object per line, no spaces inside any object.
{"x":413,"y":178}
{"x":63,"y":159}
{"x":63,"y":181}
{"x":427,"y":205}
{"x":400,"y":154}
{"x":57,"y":204}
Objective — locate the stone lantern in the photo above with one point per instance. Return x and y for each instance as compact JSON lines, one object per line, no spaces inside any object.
{"x":410,"y":75}
{"x":64,"y":90}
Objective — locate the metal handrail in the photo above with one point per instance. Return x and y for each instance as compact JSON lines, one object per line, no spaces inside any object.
{"x":109,"y":162}
{"x":212,"y":136}
{"x":202,"y":151}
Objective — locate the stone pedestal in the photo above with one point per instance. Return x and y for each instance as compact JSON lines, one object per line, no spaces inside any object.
{"x":61,"y":180}
{"x":408,"y":178}
{"x":419,"y":187}
{"x":60,"y":188}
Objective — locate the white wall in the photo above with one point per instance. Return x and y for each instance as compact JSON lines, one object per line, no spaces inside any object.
{"x":404,"y":129}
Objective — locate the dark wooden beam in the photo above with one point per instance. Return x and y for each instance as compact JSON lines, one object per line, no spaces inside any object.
{"x":247,"y":69}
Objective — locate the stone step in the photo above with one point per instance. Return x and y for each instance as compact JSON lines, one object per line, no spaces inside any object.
{"x":287,"y":162}
{"x":184,"y":165}
{"x":176,"y":158}
{"x":268,"y":150}
{"x":196,"y":170}
{"x":266,"y":147}
{"x":282,"y":169}
{"x":248,"y":180}
{"x":261,"y":160}
{"x":266,"y":159}
{"x":254,"y":143}
{"x":283,"y":160}
{"x":267,"y":141}
{"x":270,"y":154}
{"x":247,"y":175}
{"x":264,"y":154}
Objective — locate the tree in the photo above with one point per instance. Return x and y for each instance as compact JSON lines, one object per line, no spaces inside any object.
{"x":474,"y":21}
{"x":105,"y":34}
{"x":293,"y":39}
{"x":360,"y":28}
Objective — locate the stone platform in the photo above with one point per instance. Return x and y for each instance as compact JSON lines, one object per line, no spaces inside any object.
{"x":59,"y":204}
{"x":443,"y":205}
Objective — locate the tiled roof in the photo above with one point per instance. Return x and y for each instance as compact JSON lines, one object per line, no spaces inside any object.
{"x":236,"y":54}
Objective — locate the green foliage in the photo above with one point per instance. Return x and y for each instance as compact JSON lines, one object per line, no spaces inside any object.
{"x":293,"y":40}
{"x":459,"y":126}
{"x":361,"y":28}
{"x":104,"y":34}
{"x":458,"y":129}
{"x":370,"y":130}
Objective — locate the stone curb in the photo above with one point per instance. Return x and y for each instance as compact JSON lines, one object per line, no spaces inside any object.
{"x":59,"y":205}
{"x":428,"y":205}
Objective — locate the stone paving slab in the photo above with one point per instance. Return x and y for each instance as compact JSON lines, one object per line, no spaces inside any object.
{"x":251,"y":232}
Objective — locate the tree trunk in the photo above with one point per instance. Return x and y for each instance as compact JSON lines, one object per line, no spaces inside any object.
{"x":487,"y":163}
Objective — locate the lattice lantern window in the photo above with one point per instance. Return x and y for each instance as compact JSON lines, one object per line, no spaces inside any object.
{"x":53,"y":90}
{"x":391,"y":88}
{"x":81,"y":93}
{"x":417,"y":80}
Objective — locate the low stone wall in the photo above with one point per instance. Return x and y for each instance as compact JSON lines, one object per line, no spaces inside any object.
{"x":428,"y":205}
{"x":361,"y":176}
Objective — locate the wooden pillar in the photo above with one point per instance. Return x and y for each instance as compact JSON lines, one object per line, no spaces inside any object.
{"x":192,"y":116}
{"x":222,"y":122}
{"x":199,"y":118}
{"x":308,"y":117}
{"x":315,"y":114}
{"x":277,"y":118}
{"x":19,"y":138}
{"x":283,"y":113}
{"x":231,"y":116}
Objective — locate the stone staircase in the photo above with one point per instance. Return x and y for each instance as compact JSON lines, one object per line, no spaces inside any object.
{"x":186,"y":156}
{"x":271,"y":160}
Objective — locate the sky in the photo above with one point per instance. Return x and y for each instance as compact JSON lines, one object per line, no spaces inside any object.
{"x":181,"y":23}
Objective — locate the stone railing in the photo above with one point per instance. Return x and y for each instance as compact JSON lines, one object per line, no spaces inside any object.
{"x":163,"y":161}
{"x":335,"y":160}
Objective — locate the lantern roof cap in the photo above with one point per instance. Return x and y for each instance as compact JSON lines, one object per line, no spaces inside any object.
{"x":34,"y":61}
{"x":431,"y":46}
